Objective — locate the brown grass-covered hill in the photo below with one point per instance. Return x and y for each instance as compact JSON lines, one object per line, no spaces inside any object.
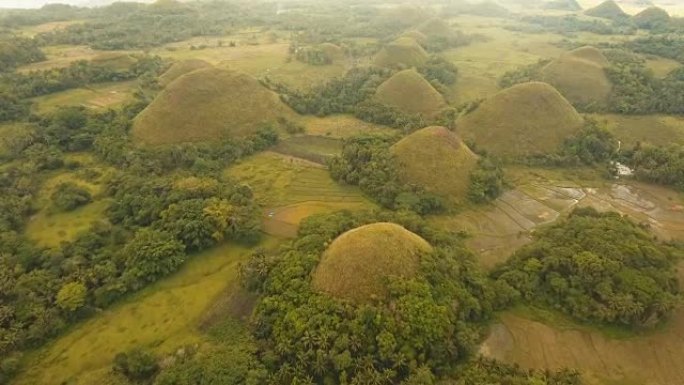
{"x":435,"y":27}
{"x":437,"y":160}
{"x":416,"y":35}
{"x":357,"y":262}
{"x":580,"y":76}
{"x":208,"y":104}
{"x":651,"y":17}
{"x":181,"y":68}
{"x":409,"y":92}
{"x":609,"y":9}
{"x":403,"y":52}
{"x":526,"y":119}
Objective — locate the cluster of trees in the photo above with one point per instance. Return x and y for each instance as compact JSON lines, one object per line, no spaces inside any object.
{"x":366,"y":161}
{"x":313,"y":55}
{"x":156,"y":220}
{"x":663,"y":165}
{"x":129,"y":25}
{"x":77,"y":74}
{"x":14,"y":18}
{"x":422,"y":330}
{"x":670,"y":46}
{"x":12,"y":108}
{"x":597,"y":267}
{"x":486,"y":181}
{"x":350,"y":94}
{"x":68,"y":196}
{"x":440,"y":72}
{"x":636,"y":90}
{"x":17,"y":50}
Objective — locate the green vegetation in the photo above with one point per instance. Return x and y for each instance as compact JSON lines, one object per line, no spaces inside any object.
{"x":663,"y":165}
{"x":16,"y":51}
{"x":524,"y":120}
{"x":357,"y":263}
{"x":367,"y":162}
{"x":68,"y":196}
{"x":596,"y":267}
{"x":422,"y":328}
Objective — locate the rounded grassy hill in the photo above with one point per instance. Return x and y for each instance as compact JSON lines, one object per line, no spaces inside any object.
{"x":526,"y":119}
{"x":409,"y":92}
{"x":651,"y":17}
{"x":437,"y":160}
{"x":435,"y":27}
{"x":580,"y":76}
{"x":416,"y":35}
{"x":208,"y":104}
{"x":609,"y":9}
{"x":403,"y":52}
{"x":181,"y":68}
{"x":355,"y":265}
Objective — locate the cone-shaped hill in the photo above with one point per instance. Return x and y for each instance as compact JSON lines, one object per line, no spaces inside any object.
{"x":435,"y":27}
{"x":436,"y":159}
{"x":580,"y":76}
{"x":403,"y":52}
{"x":526,"y":119}
{"x":609,"y":9}
{"x":208,"y":104}
{"x":418,"y":36}
{"x":651,"y":17}
{"x":409,"y":92}
{"x":563,"y":5}
{"x":181,"y":68}
{"x":356,"y":264}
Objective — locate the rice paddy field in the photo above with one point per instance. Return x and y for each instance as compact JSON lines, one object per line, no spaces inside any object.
{"x":290,"y":189}
{"x":96,"y":97}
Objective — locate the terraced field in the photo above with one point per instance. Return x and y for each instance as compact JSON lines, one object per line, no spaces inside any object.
{"x":290,"y":189}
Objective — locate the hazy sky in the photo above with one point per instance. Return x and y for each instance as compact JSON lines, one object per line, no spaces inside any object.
{"x":40,"y":3}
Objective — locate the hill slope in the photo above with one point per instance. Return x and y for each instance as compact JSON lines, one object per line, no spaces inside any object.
{"x":437,"y":160}
{"x":403,"y":52}
{"x":207,"y":104}
{"x":356,"y":263}
{"x":609,"y":9}
{"x":181,"y":68}
{"x":580,"y":76}
{"x":651,"y":17}
{"x":411,"y":93}
{"x":526,"y":119}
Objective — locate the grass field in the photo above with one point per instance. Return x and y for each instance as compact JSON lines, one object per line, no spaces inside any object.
{"x":661,"y":66}
{"x":655,"y":129}
{"x":259,"y":60}
{"x":33,"y":30}
{"x":13,"y":136}
{"x":98,"y":96}
{"x":163,"y":316}
{"x":62,"y":55}
{"x":49,"y":228}
{"x":290,"y":189}
{"x":340,"y":126}
{"x":317,"y":149}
